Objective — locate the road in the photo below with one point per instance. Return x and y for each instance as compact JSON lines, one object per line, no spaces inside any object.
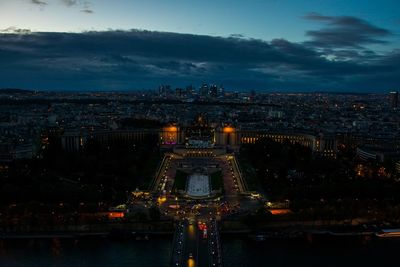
{"x":193,"y":248}
{"x":196,"y":247}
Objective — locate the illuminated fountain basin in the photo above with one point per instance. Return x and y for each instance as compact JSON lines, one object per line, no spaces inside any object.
{"x":198,"y":185}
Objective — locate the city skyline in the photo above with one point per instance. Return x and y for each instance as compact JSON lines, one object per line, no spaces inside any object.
{"x":196,"y":173}
{"x":199,"y":133}
{"x":269,"y":46}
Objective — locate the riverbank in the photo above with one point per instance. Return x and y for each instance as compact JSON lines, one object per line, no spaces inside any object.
{"x":88,"y":230}
{"x":283,"y":229}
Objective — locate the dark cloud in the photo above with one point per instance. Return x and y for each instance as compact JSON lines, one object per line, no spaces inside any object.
{"x":39,"y":2}
{"x":14,"y":29}
{"x":69,"y":2}
{"x":87,"y":11}
{"x":345,"y":31}
{"x":85,"y":5}
{"x":237,"y":35}
{"x":120,"y":60}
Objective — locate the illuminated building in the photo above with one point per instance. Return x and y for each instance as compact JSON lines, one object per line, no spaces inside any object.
{"x":324,"y":145}
{"x":226,"y":136}
{"x":202,"y":139}
{"x":252,"y":136}
{"x":170,"y":135}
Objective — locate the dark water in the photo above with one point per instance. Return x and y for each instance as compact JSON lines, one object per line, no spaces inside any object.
{"x":243,"y":253}
{"x":84,"y":253}
{"x":236,"y":251}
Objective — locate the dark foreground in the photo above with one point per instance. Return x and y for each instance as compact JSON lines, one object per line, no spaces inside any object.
{"x":156,"y":252}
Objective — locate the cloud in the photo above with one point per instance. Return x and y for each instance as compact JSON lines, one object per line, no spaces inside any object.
{"x":237,"y":35}
{"x":39,"y":2}
{"x":120,"y":60}
{"x":87,"y":7}
{"x":345,"y":31}
{"x":84,"y":5}
{"x":69,"y":2}
{"x":88,"y":11}
{"x":14,"y":29}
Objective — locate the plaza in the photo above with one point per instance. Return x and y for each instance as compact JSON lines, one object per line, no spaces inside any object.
{"x":198,"y":185}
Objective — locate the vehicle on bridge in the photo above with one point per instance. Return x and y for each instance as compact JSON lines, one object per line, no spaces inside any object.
{"x":205,"y":233}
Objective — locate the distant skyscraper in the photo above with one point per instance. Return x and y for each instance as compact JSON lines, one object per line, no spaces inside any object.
{"x":213,"y":91}
{"x":190,"y":90}
{"x":221,"y":90}
{"x":164,"y":90}
{"x":394,"y":99}
{"x":204,"y":90}
{"x":179,"y":92}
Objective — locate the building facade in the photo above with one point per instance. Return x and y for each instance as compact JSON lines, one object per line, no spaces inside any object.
{"x":201,"y":136}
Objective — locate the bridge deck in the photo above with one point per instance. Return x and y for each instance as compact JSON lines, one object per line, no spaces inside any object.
{"x":194,"y":248}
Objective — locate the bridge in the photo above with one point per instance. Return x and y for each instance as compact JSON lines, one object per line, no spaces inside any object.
{"x":196,"y":244}
{"x":196,"y":239}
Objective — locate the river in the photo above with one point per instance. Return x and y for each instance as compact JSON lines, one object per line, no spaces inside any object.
{"x":237,"y":252}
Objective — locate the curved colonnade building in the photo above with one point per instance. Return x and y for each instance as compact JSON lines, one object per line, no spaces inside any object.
{"x":201,"y":139}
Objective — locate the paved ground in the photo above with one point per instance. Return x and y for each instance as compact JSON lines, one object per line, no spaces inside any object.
{"x":165,"y":178}
{"x":198,"y":185}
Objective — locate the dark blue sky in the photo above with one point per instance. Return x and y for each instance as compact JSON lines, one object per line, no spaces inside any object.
{"x":295,"y":45}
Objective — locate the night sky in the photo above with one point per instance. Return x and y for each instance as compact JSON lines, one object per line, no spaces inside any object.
{"x":271,"y":45}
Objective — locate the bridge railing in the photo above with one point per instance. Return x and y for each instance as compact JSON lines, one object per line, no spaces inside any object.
{"x":157,"y":174}
{"x":215,"y":250}
{"x":241,"y":179}
{"x":178,"y":246}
